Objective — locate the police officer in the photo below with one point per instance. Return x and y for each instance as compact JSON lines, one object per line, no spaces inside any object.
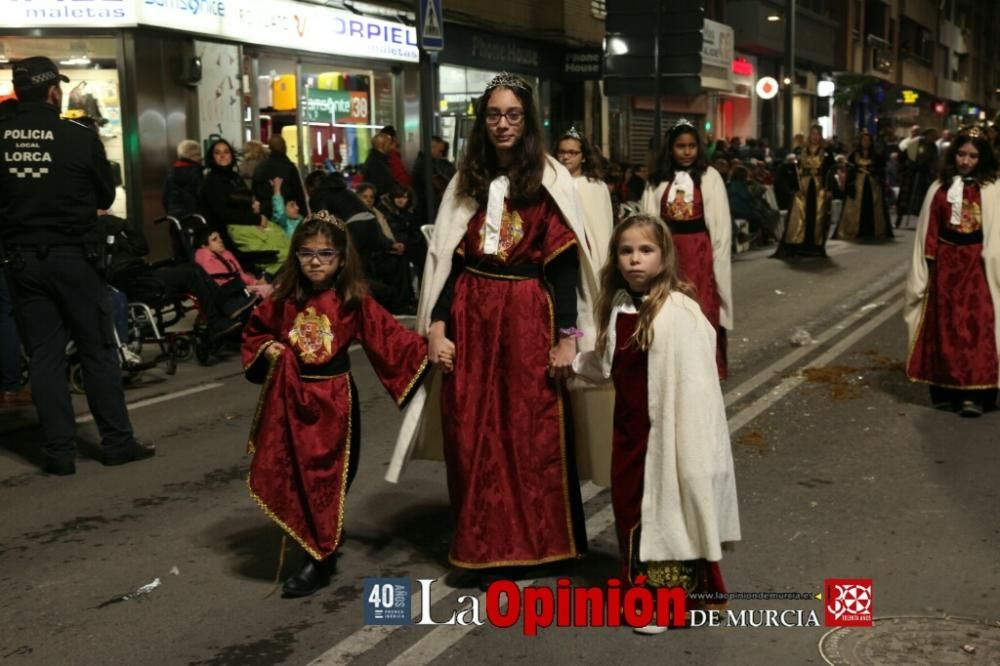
{"x":55,"y":176}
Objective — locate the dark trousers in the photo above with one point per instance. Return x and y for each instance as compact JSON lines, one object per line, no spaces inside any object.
{"x":58,"y":296}
{"x":10,"y":343}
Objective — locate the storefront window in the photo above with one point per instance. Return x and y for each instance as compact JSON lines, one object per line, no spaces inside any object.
{"x":334,"y":111}
{"x":92,"y":94}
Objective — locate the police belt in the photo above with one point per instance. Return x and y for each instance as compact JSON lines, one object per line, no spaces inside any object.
{"x":501,"y":272}
{"x":680,"y":227}
{"x":337,"y":365}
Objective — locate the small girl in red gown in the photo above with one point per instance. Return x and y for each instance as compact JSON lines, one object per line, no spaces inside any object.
{"x":672,"y":482}
{"x":306,"y":432}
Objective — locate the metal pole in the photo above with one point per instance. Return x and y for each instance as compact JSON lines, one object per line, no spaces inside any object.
{"x":657,"y":128}
{"x":427,"y":101}
{"x":789,"y":70}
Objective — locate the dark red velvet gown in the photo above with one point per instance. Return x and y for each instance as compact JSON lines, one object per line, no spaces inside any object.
{"x":306,"y":425}
{"x":694,"y":261}
{"x":510,"y":470}
{"x":629,"y":372}
{"x":956,"y":345}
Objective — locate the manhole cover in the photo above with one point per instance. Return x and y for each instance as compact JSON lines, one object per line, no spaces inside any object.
{"x":914,"y":641}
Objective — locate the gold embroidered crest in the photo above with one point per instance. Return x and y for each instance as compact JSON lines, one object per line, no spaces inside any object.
{"x":312,"y":337}
{"x":678,"y":209}
{"x":511,"y":233}
{"x":972,"y":217}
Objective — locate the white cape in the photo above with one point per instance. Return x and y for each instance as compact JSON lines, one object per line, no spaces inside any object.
{"x":918,"y":279}
{"x":689,"y":506}
{"x":715,"y":202}
{"x":598,"y":216}
{"x":420,"y":434}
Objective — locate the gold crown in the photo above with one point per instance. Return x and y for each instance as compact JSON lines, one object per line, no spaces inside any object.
{"x":325,"y":216}
{"x":973,"y":132}
{"x":508,"y":80}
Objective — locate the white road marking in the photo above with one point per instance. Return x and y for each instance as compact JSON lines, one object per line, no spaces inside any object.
{"x":768,"y":373}
{"x":744,"y":417}
{"x":87,"y":418}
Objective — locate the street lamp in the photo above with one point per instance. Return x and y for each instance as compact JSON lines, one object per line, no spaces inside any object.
{"x":789,"y":69}
{"x":773,"y":18}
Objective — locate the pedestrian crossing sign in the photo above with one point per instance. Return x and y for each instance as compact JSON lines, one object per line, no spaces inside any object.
{"x":431,"y":25}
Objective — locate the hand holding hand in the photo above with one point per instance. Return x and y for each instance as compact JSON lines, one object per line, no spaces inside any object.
{"x":397,"y":248}
{"x":561,"y":359}
{"x":440,"y":350}
{"x":276,"y":184}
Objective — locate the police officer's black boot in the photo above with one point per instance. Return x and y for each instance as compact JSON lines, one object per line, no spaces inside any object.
{"x":313,"y":576}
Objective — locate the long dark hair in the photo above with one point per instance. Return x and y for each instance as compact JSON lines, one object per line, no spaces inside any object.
{"x":663,"y":172}
{"x":210,"y":157}
{"x":348,"y":282}
{"x":480,"y":166}
{"x":986,"y":169}
{"x":593,"y":162}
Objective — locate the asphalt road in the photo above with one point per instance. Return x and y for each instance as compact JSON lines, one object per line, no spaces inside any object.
{"x":843,"y":471}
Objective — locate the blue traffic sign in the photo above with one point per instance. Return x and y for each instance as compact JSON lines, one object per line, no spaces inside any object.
{"x":431,"y":25}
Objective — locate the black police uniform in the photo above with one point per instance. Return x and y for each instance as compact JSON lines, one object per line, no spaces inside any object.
{"x":55,"y":176}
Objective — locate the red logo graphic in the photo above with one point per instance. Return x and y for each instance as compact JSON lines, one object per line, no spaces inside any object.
{"x":848,"y":602}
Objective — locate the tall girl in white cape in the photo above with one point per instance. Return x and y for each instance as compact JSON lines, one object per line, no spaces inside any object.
{"x":673,"y":488}
{"x":506,"y":304}
{"x":691,"y":198}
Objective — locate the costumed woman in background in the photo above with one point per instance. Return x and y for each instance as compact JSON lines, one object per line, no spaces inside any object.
{"x":809,"y":215}
{"x":306,"y":433}
{"x":673,"y":487}
{"x":506,"y":301}
{"x":953,"y":288}
{"x":583,"y":163}
{"x":866,"y":214}
{"x":691,"y":198}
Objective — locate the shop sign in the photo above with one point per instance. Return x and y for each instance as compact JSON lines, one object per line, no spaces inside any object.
{"x":75,"y":13}
{"x":717,"y":44}
{"x":286,"y":24}
{"x":910,"y":96}
{"x":335,"y":106}
{"x":582,"y":64}
{"x":742,"y":67}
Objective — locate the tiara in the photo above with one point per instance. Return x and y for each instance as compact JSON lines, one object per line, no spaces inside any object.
{"x":682,"y":123}
{"x":325,"y":216}
{"x":508,"y":80}
{"x":572,"y":133}
{"x":973,"y":132}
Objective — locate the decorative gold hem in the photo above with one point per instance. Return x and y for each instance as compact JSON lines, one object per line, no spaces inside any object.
{"x":559,"y":250}
{"x":413,"y":382}
{"x":512,"y":563}
{"x":974,"y":387}
{"x":260,"y":350}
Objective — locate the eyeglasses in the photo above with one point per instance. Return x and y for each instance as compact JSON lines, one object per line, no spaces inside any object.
{"x":568,"y":153}
{"x":514,"y":117}
{"x":324,"y":256}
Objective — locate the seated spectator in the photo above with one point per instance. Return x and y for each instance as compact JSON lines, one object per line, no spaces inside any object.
{"x":285,"y":213}
{"x":181,"y":190}
{"x":227,"y":202}
{"x":129,"y":272}
{"x":238,"y":289}
{"x":746,"y":202}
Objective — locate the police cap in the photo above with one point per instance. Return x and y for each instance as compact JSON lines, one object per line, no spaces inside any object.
{"x":36,"y":71}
